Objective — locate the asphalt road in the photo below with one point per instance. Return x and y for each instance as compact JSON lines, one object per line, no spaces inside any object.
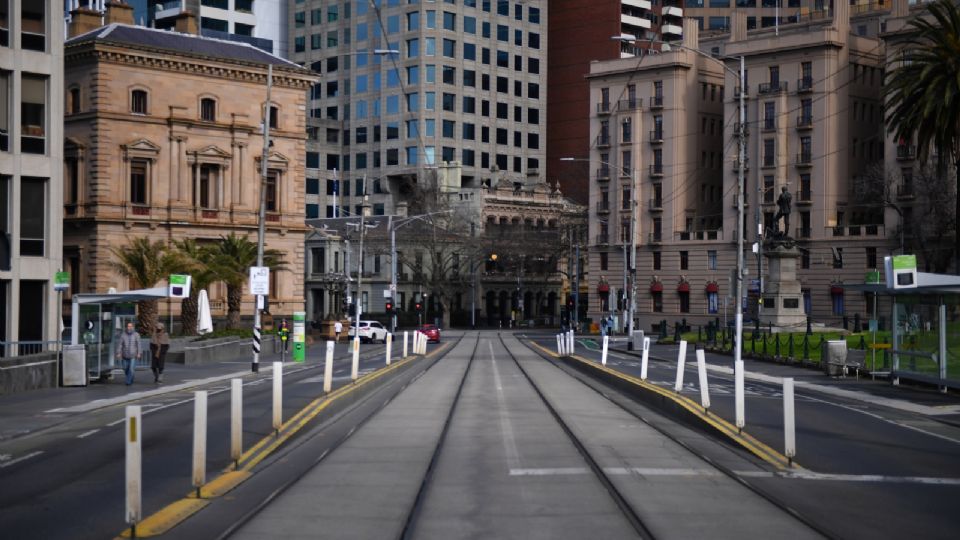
{"x":73,"y":485}
{"x":880,"y":472}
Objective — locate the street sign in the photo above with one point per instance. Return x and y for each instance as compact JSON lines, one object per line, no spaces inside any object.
{"x":179,"y":286}
{"x":260,"y":280}
{"x":61,"y":281}
{"x":299,"y":336}
{"x":388,"y":293}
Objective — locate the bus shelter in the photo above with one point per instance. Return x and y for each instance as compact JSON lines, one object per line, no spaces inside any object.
{"x":97,"y":321}
{"x":925,"y":331}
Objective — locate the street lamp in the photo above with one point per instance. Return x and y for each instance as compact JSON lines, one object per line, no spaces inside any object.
{"x":628,"y":260}
{"x":261,"y":216}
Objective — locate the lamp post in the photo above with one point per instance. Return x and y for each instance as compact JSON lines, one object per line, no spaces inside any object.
{"x":261,"y":216}
{"x":629,"y":258}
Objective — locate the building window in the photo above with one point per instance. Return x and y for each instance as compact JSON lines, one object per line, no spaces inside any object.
{"x":657,"y":301}
{"x":712,"y":259}
{"x":684,"y":301}
{"x":205,"y":186}
{"x":684,"y":260}
{"x":138,"y":102}
{"x":273,"y":191}
{"x":208,"y":109}
{"x":656,"y":260}
{"x":871,"y":257}
{"x":33,"y":196}
{"x":837,"y":302}
{"x":33,"y":26}
{"x":604,"y":261}
{"x":73,"y":100}
{"x":4,"y":109}
{"x":4,"y":23}
{"x":138,"y":181}
{"x":33,"y":112}
{"x":712,"y":302}
{"x":274,"y":117}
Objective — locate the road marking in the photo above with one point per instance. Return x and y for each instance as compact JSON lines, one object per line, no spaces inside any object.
{"x":887,"y":420}
{"x":867,"y":478}
{"x":6,"y":464}
{"x":553,"y":471}
{"x":616,"y":471}
{"x":87,"y":434}
{"x":506,"y":427}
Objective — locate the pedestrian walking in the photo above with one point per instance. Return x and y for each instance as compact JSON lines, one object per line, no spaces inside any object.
{"x":158,"y":349}
{"x":603,"y":326}
{"x":337,"y":329}
{"x":128,"y":351}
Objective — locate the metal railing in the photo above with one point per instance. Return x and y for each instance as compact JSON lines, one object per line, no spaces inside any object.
{"x":656,"y":204}
{"x":906,"y":151}
{"x":603,"y":140}
{"x":603,"y":173}
{"x":603,"y":238}
{"x":805,"y":84}
{"x":656,"y":136}
{"x":905,"y":191}
{"x":804,"y":195}
{"x":804,"y":232}
{"x":769,"y":124}
{"x":656,"y":102}
{"x":603,"y":107}
{"x":656,"y":169}
{"x":630,"y":104}
{"x":772,"y":87}
{"x":805,"y":121}
{"x":10,"y":349}
{"x":804,"y":159}
{"x":603,"y":207}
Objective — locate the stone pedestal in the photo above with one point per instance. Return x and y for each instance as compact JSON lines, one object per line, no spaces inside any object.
{"x":782,"y":298}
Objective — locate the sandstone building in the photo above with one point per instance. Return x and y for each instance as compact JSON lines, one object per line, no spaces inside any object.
{"x":163,"y":139}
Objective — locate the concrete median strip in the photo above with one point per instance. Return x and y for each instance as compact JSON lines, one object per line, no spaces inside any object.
{"x":693,"y":408}
{"x":178,"y":511}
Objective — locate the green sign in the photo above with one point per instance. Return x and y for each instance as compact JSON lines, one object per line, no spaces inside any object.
{"x":61,"y":281}
{"x":905,"y":262}
{"x":873,"y":276}
{"x":299,"y":336}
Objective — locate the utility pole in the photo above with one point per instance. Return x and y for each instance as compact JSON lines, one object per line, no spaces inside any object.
{"x":633,"y":256}
{"x":742,"y":157}
{"x":261,"y":217}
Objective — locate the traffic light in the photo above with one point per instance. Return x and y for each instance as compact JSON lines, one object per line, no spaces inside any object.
{"x":419,"y":307}
{"x":570,"y":304}
{"x":389,"y":306}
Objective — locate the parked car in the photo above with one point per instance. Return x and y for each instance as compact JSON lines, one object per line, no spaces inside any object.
{"x":432,"y":332}
{"x":370,"y":332}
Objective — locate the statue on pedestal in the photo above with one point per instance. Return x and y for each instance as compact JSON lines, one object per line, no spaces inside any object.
{"x":783,"y":211}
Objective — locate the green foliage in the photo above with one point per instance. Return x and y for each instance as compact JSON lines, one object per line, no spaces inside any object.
{"x":146,"y":263}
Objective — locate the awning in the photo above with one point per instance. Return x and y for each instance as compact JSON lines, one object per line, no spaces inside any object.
{"x":712,"y":287}
{"x":836,"y":289}
{"x":684,"y":286}
{"x":656,"y":286}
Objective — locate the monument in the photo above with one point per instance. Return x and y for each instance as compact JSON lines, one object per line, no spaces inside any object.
{"x":782,"y":297}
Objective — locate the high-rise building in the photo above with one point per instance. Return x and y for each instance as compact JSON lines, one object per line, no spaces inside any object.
{"x":31,"y":165}
{"x":261,"y":23}
{"x":407,"y":86}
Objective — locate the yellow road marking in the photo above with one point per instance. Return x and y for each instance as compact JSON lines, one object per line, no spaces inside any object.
{"x":176,"y":512}
{"x":755,"y":447}
{"x":166,"y":519}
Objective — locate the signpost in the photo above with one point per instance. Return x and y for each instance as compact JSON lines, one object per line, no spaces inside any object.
{"x":179,"y":286}
{"x":259,"y":275}
{"x":299,"y":336}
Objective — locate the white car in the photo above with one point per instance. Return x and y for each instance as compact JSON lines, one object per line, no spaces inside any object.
{"x":370,"y":331}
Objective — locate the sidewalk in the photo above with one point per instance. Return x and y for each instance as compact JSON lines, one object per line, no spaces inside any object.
{"x":29,"y":412}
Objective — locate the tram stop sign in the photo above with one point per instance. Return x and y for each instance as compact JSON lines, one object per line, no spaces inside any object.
{"x":299,"y":336}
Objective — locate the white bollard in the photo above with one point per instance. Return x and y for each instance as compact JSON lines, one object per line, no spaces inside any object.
{"x":132,"y":435}
{"x":277,"y":395}
{"x":789,"y":424}
{"x":644,"y":358}
{"x":559,"y":346}
{"x":704,"y":389}
{"x":603,"y":355}
{"x":199,"y":439}
{"x":389,"y":347}
{"x":355,"y":363}
{"x":738,"y":394}
{"x":681,"y":360}
{"x":328,"y":369}
{"x":236,"y":419}
{"x":571,"y":343}
{"x":404,"y":343}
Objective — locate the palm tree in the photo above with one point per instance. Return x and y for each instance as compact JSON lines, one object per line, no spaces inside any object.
{"x":923,"y":93}
{"x":230,"y":261}
{"x":196,"y":262}
{"x":145,"y":263}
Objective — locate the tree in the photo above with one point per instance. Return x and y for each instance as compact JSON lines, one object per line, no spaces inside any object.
{"x":195,"y":261}
{"x":923,"y":93}
{"x":145,"y":263}
{"x":230,"y":261}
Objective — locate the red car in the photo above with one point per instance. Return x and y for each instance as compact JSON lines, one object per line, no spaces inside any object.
{"x":432,"y":332}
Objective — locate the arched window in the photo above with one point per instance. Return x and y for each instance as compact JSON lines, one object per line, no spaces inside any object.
{"x":138,"y":102}
{"x":208,"y":110}
{"x":73,"y":101}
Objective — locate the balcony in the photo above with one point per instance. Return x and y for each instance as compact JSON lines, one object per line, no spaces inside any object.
{"x":855,"y":230}
{"x":736,"y":93}
{"x":905,"y":191}
{"x":804,"y":196}
{"x":603,"y":174}
{"x":656,"y":102}
{"x":639,"y":22}
{"x":906,"y":152}
{"x":671,"y":29}
{"x":772,"y":87}
{"x":603,"y":239}
{"x":656,"y":170}
{"x":641,"y":4}
{"x":768,"y":162}
{"x":603,"y":207}
{"x":603,"y":107}
{"x":654,"y":238}
{"x":736,"y":129}
{"x":769,"y":124}
{"x":804,"y":159}
{"x":804,"y":122}
{"x":629,"y":104}
{"x":656,"y":205}
{"x":804,"y":85}
{"x":746,"y":200}
{"x":685,"y":236}
{"x":736,"y":165}
{"x":671,"y":11}
{"x":656,"y":136}
{"x":603,"y":141}
{"x":804,"y":232}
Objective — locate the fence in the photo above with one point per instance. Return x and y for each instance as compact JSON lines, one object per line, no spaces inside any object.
{"x":10,"y":349}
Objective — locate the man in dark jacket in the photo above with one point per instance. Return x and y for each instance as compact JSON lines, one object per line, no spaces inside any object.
{"x":128,"y":351}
